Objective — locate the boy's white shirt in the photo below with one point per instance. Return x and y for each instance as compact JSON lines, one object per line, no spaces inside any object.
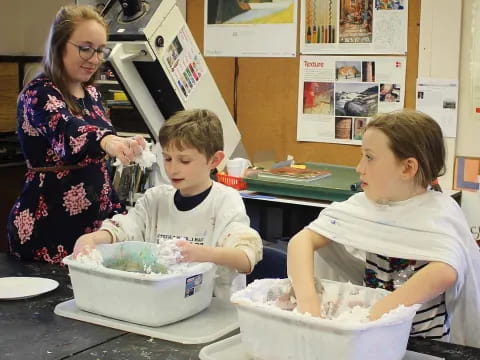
{"x":219,"y":220}
{"x":429,"y":227}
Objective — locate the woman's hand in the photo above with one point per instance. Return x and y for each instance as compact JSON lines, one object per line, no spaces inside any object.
{"x":140,"y":141}
{"x":124,"y":149}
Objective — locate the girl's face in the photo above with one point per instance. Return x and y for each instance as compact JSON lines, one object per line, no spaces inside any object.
{"x":381,"y":173}
{"x":188,"y":169}
{"x":88,"y":33}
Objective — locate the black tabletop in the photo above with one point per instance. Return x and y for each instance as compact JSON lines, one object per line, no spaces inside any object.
{"x":29,"y":329}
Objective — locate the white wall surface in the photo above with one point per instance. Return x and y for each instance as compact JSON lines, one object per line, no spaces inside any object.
{"x":468,"y":141}
{"x":439,"y":55}
{"x":24,"y":25}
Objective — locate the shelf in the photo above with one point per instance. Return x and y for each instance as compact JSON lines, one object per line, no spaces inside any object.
{"x":119,"y":103}
{"x":131,"y":134}
{"x":106,"y":82}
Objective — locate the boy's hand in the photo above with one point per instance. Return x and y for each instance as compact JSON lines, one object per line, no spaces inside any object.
{"x":88,"y":242}
{"x":191,"y":252}
{"x":84,"y":245}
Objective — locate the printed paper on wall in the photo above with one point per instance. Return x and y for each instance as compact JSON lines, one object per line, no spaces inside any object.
{"x":353,"y":26}
{"x":257,"y":28}
{"x":184,"y":64}
{"x":438,"y":98}
{"x":338,"y":95}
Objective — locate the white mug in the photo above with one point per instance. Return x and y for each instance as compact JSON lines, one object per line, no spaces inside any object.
{"x":236,"y":167}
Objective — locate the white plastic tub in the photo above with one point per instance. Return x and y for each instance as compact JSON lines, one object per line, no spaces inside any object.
{"x":271,"y":333}
{"x":141,"y":298}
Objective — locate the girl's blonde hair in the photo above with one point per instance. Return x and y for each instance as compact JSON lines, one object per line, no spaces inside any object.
{"x":414,"y":134}
{"x":64,"y":24}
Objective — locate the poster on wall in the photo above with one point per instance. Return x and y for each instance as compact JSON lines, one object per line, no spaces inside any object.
{"x":338,"y":95}
{"x":438,"y":98}
{"x":250,"y":28}
{"x":353,"y":26}
{"x":184,"y":63}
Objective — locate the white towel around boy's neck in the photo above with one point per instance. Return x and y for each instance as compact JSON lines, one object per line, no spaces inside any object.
{"x":429,"y":227}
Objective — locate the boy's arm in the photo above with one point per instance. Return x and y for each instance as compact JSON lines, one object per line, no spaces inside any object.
{"x":246,"y":242}
{"x":122,"y":227}
{"x":429,"y":282}
{"x":88,"y":242}
{"x":133,"y":225}
{"x":301,"y":249}
{"x":231,"y":257}
{"x":237,"y":245}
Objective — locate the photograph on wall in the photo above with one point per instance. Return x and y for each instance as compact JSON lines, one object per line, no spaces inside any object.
{"x":338,"y":95}
{"x":389,"y":93}
{"x":356,"y":99}
{"x":348,"y":71}
{"x":256,"y":28}
{"x":318,"y":97}
{"x":353,"y":26}
{"x":355,"y":22}
{"x":358,"y":126}
{"x":390,"y":4}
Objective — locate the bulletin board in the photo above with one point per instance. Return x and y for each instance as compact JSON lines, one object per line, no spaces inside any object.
{"x":267,"y":95}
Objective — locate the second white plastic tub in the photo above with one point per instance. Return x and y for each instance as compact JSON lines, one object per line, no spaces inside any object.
{"x":271,"y":333}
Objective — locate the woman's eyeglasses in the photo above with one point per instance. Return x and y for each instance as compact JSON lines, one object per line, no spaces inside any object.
{"x":87,"y":52}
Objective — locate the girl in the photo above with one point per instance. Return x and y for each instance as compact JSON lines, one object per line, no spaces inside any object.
{"x":417,"y":242}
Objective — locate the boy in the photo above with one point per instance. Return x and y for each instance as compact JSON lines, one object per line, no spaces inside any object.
{"x":209,"y":215}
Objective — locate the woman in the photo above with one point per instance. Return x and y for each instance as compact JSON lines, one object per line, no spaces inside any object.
{"x":65,"y":136}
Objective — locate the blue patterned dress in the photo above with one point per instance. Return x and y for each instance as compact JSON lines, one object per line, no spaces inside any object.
{"x":56,"y":207}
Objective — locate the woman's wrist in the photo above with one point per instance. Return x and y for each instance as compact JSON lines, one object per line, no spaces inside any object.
{"x":105,"y":141}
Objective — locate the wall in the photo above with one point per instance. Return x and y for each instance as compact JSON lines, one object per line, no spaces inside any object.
{"x":27,"y":29}
{"x":268,"y":93}
{"x":468,"y":131}
{"x":440,"y":30}
{"x":8,"y":98}
{"x":469,"y":127}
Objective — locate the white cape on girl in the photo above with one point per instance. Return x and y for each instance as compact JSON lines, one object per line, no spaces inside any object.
{"x":429,"y":227}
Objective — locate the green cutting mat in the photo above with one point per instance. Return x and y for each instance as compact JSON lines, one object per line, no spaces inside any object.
{"x":336,"y":187}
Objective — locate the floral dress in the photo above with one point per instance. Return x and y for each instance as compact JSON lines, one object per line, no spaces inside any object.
{"x":67,"y":190}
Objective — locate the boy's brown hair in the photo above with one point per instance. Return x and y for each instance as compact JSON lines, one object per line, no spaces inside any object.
{"x":200,"y":129}
{"x":414,"y":134}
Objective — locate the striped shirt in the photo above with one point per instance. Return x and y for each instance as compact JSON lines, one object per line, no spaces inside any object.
{"x":431,"y":320}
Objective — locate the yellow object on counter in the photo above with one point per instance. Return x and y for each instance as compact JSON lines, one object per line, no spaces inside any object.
{"x":120,"y":96}
{"x":299,"y":166}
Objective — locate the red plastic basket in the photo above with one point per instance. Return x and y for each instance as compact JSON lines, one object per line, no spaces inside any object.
{"x":232,"y":181}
